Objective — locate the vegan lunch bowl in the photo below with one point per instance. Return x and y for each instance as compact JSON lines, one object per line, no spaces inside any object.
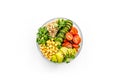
{"x":59,"y":40}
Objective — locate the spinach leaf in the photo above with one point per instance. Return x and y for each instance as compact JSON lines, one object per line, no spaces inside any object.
{"x":42,"y":35}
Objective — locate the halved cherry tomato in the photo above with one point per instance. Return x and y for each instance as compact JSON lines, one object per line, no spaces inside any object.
{"x":65,"y":40}
{"x":76,"y":39}
{"x":69,"y":36}
{"x":75,"y":45}
{"x":67,"y":44}
{"x":73,"y":31}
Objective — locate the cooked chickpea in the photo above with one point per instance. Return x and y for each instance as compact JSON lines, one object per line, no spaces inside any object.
{"x":49,"y":49}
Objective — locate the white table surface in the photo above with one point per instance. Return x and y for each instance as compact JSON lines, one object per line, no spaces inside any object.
{"x":99,"y":21}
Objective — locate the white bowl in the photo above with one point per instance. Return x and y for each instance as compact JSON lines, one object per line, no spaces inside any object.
{"x":79,"y":32}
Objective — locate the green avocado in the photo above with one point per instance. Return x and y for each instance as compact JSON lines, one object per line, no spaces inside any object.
{"x":64,"y":55}
{"x":74,"y":51}
{"x":58,"y":43}
{"x":70,"y":53}
{"x":67,"y":60}
{"x":59,"y":56}
{"x":64,"y":50}
{"x":54,"y":59}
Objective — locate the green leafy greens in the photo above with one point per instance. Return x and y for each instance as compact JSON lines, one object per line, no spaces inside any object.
{"x":42,"y":35}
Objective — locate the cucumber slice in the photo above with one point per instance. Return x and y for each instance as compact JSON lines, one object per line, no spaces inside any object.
{"x":69,"y":21}
{"x":68,"y":24}
{"x":61,"y":35}
{"x":62,"y":31}
{"x":59,"y":39}
{"x":66,"y":28}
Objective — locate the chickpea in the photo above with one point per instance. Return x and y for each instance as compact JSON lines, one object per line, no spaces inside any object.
{"x":49,"y":49}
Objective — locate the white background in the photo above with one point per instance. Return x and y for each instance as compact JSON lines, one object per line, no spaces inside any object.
{"x":99,"y":21}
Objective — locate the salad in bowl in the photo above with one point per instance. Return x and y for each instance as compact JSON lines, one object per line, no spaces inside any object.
{"x":59,"y":40}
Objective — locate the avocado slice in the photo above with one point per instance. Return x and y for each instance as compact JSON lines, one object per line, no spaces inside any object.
{"x":71,"y":53}
{"x":67,"y":60}
{"x":64,"y":50}
{"x":58,"y":43}
{"x":54,"y":59}
{"x":59,"y":56}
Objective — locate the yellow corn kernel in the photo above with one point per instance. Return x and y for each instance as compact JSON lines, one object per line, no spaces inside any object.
{"x":53,"y":48}
{"x":47,"y":47}
{"x":49,"y":54}
{"x":56,"y":51}
{"x":56,"y":44}
{"x":49,"y":58}
{"x":53,"y":42}
{"x":50,"y":51}
{"x":50,"y":46}
{"x":45,"y":54}
{"x":41,"y":47}
{"x":53,"y":53}
{"x":43,"y":51}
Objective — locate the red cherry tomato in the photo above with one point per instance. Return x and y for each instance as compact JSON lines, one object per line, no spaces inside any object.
{"x":67,"y":44}
{"x":75,"y":45}
{"x":76,"y":39}
{"x":69,"y":36}
{"x":65,"y":40}
{"x":73,"y":31}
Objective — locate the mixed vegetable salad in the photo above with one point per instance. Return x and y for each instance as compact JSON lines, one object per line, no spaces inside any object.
{"x":59,"y":40}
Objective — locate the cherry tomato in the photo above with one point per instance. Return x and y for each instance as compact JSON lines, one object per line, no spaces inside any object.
{"x":73,"y":31}
{"x":69,"y":36}
{"x":75,"y":46}
{"x":67,"y":44}
{"x":65,"y":40}
{"x":76,"y":39}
